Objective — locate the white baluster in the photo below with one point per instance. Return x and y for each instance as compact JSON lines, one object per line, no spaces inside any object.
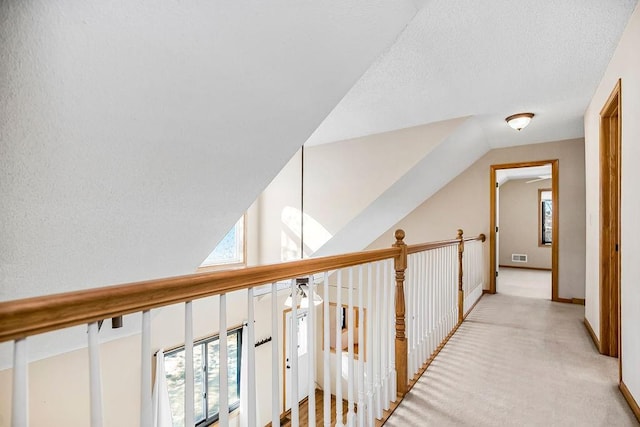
{"x":361,"y":416}
{"x":370,"y":343}
{"x":408,"y":315}
{"x":275,"y":359}
{"x":419,"y":313}
{"x":20,"y":402}
{"x":421,"y":309}
{"x":441,"y":296}
{"x":189,"y":398}
{"x":393,"y":380}
{"x":379,"y":333}
{"x":146,"y":418}
{"x":327,"y":354}
{"x":311,"y":347}
{"x":293,"y":356}
{"x":386,"y":331}
{"x":339,"y":411}
{"x":430,"y":297}
{"x":425,"y":304}
{"x":251,"y":380}
{"x":223,"y":374}
{"x":350,"y":338}
{"x":95,"y":389}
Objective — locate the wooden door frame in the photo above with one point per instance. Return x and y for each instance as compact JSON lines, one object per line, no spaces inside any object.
{"x":555,"y":191}
{"x":610,"y":224}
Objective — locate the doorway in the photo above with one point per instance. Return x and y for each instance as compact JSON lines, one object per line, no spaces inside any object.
{"x":494,"y":240}
{"x":302,"y":354}
{"x":610,"y":178}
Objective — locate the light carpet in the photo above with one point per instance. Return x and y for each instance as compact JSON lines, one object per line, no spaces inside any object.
{"x":518,"y":362}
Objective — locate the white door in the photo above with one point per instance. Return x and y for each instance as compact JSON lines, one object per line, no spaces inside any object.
{"x":302,"y":355}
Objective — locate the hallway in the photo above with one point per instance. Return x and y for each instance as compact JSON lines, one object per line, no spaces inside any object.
{"x":524,"y":282}
{"x":518,"y":362}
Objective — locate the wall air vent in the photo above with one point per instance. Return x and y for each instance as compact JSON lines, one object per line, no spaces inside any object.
{"x":518,"y":258}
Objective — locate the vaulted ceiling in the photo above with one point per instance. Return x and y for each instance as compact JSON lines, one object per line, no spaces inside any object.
{"x":488,"y":59}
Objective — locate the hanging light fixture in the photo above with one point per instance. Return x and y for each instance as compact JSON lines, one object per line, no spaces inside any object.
{"x":302,"y":284}
{"x":519,"y":121}
{"x":302,"y":294}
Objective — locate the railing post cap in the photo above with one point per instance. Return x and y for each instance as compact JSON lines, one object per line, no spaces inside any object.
{"x":399,"y":235}
{"x":460,"y":233}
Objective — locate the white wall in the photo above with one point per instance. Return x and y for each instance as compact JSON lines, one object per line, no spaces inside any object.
{"x":341,"y":180}
{"x":519,"y":224}
{"x":464,"y":203}
{"x":135,"y":135}
{"x":625,"y":64}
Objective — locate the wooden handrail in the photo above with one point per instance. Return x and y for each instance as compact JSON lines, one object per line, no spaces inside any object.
{"x":412,"y":249}
{"x":31,"y":316}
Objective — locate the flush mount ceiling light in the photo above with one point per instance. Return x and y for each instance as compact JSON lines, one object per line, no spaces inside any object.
{"x":519,"y":121}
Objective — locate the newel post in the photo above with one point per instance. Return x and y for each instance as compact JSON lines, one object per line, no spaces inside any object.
{"x":460,"y":275}
{"x":400,"y":265}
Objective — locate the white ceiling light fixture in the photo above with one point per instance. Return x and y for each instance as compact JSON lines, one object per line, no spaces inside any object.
{"x":302,"y":297}
{"x":519,"y":121}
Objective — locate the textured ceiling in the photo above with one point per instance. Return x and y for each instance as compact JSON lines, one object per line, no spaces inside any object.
{"x":487,"y":59}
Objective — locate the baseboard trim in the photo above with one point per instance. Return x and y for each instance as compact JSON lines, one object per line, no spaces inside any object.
{"x":579,"y":301}
{"x":474,"y":305}
{"x":630,"y":400}
{"x":595,"y":339}
{"x":564,"y":300}
{"x":525,"y":268}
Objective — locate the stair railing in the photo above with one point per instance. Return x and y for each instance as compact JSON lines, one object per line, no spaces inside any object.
{"x":396,"y":306}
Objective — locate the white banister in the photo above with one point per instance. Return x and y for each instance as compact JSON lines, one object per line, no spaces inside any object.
{"x":386,"y":334}
{"x":189,"y":403}
{"x":146,"y":417}
{"x":223,"y":373}
{"x":339,"y":320}
{"x":311,"y":347}
{"x":251,"y":381}
{"x":293,"y":356}
{"x":326,"y":385}
{"x":95,"y":383}
{"x":393,"y":379}
{"x":369,"y":347}
{"x":275,"y":359}
{"x":361,"y":415}
{"x":350,"y":363}
{"x":379,"y":338}
{"x":20,"y":398}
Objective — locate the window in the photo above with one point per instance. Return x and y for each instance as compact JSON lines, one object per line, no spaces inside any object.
{"x":230,"y":251}
{"x":545,"y":217}
{"x":206,"y":363}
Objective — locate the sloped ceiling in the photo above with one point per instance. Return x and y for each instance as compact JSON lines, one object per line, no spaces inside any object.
{"x":485,"y":60}
{"x":133,"y":134}
{"x":488,"y":59}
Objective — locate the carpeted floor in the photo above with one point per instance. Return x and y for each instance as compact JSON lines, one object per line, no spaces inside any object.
{"x":523,"y":282}
{"x":518,"y":362}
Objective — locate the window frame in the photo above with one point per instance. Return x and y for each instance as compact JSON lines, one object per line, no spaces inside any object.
{"x":541,"y":227}
{"x":209,"y":420}
{"x":234,"y":264}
